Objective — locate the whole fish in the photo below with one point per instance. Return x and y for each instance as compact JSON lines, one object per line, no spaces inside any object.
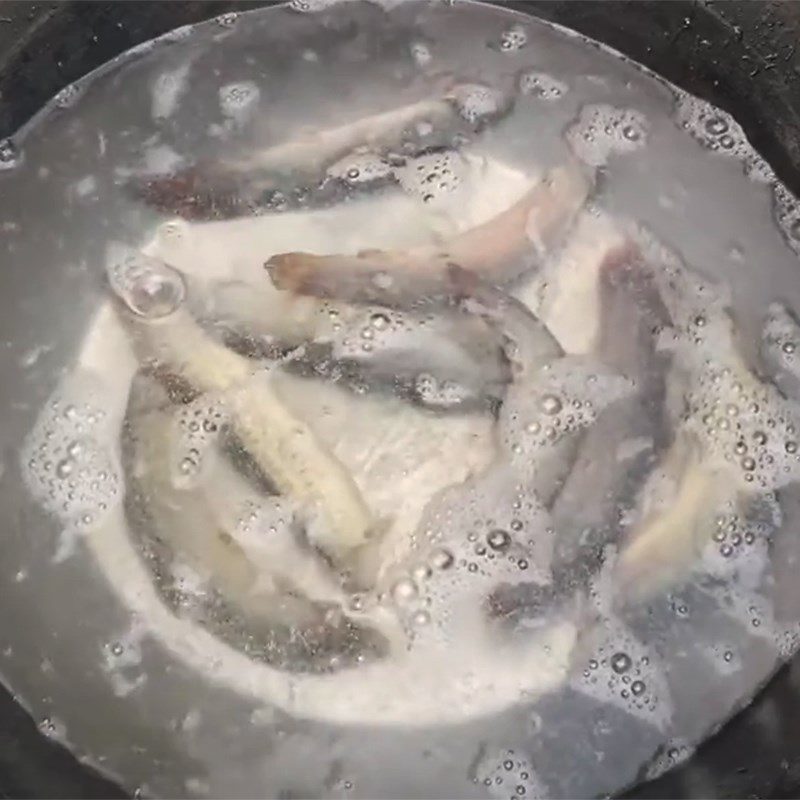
{"x":552,"y":396}
{"x":618,"y":451}
{"x":151,"y":295}
{"x":247,"y":546}
{"x":498,"y":250}
{"x":293,"y":172}
{"x":445,"y":362}
{"x":549,"y":403}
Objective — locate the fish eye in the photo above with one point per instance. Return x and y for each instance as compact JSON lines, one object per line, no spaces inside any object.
{"x":148,"y":287}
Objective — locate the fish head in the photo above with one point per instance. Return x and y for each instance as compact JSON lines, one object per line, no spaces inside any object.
{"x":147,"y":287}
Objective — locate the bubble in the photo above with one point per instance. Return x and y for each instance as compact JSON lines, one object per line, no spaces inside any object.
{"x":432,"y":176}
{"x":550,"y":404}
{"x":789,"y":347}
{"x":361,"y":168}
{"x":498,"y":539}
{"x":513,"y":39}
{"x":476,"y":102}
{"x":441,"y":559}
{"x":238,"y":99}
{"x":117,"y":649}
{"x":603,"y":130}
{"x":621,"y":663}
{"x":404,"y":590}
{"x":420,"y":618}
{"x":64,"y":468}
{"x":68,"y":458}
{"x":717,"y":131}
{"x":379,"y":321}
{"x":716,"y":126}
{"x":149,"y":287}
{"x":791,"y":446}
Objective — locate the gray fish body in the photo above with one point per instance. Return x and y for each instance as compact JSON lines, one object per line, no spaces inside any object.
{"x":618,"y":451}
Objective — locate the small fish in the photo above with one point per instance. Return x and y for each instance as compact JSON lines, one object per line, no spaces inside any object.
{"x":605,"y":475}
{"x":552,"y":397}
{"x":730,"y":440}
{"x":247,"y":547}
{"x":151,"y":298}
{"x":497,"y":250}
{"x":445,"y":362}
{"x":233,"y":187}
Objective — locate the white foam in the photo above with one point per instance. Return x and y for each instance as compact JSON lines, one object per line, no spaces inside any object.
{"x":603,"y":131}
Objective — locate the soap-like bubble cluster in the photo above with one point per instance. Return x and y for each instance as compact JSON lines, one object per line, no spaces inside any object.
{"x":746,"y":423}
{"x":513,"y":39}
{"x":542,"y":86}
{"x":602,"y":131}
{"x":509,"y":775}
{"x":238,"y":100}
{"x":197,"y":427}
{"x":431,"y":175}
{"x":68,"y":460}
{"x":476,"y":102}
{"x":739,"y":542}
{"x":567,"y":396}
{"x":718,"y":131}
{"x":489,"y":532}
{"x":621,"y":670}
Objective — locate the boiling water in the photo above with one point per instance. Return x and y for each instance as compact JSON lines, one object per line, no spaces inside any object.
{"x":582,"y":528}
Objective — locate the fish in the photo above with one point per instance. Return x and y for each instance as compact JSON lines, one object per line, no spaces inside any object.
{"x":247,"y":546}
{"x":552,"y":396}
{"x":444,"y":362}
{"x":150,"y":297}
{"x":620,"y":449}
{"x":499,"y":250}
{"x":730,"y":445}
{"x":292,"y":173}
{"x":552,"y":399}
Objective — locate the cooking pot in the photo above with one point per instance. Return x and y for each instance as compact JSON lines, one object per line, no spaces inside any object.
{"x":740,"y":56}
